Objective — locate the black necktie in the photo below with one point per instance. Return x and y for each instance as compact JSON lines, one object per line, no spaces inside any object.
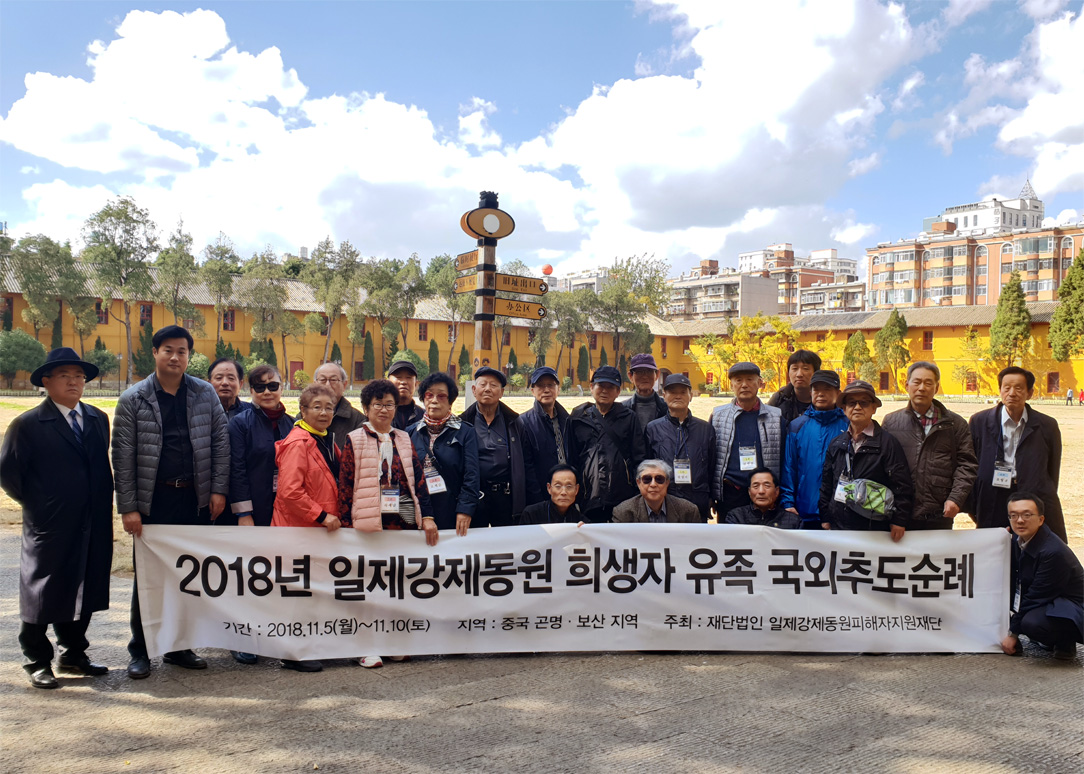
{"x":75,"y":426}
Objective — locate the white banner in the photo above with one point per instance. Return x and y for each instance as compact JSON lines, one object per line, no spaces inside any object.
{"x":304,"y":593}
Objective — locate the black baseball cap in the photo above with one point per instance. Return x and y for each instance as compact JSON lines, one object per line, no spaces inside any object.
{"x":607,"y":374}
{"x":831,"y":378}
{"x":402,"y":365}
{"x":677,"y":380}
{"x":538,"y":373}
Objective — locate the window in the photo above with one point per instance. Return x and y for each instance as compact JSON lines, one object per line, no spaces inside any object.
{"x":820,"y":337}
{"x":103,"y":314}
{"x":926,"y":256}
{"x":927,"y":341}
{"x":323,"y":331}
{"x":685,"y":346}
{"x":1046,"y":284}
{"x":145,"y":311}
{"x":662,"y":345}
{"x":228,"y":320}
{"x":188,"y":323}
{"x":451,"y":334}
{"x":960,"y":251}
{"x":980,"y":290}
{"x":959,"y":271}
{"x":592,"y":341}
{"x":938,"y":252}
{"x":965,"y":221}
{"x":423,"y":331}
{"x":981,"y":251}
{"x":359,"y":370}
{"x":1031,"y":286}
{"x":1067,"y":243}
{"x":506,"y":339}
{"x":884,"y":386}
{"x":959,"y":290}
{"x":971,"y":383}
{"x":1046,"y":263}
{"x":980,"y":271}
{"x":1006,"y":249}
{"x":1053,"y":383}
{"x":1066,"y":263}
{"x":711,"y":378}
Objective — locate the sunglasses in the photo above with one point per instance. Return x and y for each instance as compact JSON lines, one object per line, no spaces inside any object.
{"x":657,"y":478}
{"x":273,"y":386}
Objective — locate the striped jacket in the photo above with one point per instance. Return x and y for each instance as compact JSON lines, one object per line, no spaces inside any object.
{"x":770,"y":424}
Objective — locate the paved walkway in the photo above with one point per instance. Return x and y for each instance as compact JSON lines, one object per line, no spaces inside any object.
{"x":689,"y":712}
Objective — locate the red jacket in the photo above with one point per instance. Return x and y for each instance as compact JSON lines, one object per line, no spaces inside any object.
{"x":306,"y":486}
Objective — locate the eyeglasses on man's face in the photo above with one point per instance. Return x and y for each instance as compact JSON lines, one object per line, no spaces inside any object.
{"x":658,"y":478}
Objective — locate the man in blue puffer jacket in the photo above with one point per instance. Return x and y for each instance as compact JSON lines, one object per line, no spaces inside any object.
{"x":807,"y":440}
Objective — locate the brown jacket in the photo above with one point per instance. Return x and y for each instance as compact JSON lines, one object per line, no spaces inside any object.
{"x":943,"y":464}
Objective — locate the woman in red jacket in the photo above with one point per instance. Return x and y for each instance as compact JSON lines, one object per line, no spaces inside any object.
{"x":308,"y":465}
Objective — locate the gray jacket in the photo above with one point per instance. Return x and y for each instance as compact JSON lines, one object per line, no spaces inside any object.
{"x":770,"y":424}
{"x":137,"y":443}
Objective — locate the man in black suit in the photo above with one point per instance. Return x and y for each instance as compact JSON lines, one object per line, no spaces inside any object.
{"x":1019,"y":450}
{"x":55,"y":463}
{"x":1047,"y":583}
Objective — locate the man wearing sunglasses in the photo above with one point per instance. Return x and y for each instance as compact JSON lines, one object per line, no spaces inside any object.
{"x":653,"y":505}
{"x":864,"y":453}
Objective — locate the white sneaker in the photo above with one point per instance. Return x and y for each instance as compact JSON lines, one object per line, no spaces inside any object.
{"x":370,"y":662}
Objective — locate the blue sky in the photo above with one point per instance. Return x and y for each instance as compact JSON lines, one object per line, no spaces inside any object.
{"x":689,"y":129}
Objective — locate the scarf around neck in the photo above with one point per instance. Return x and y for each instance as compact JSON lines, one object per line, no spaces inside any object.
{"x":309,"y":428}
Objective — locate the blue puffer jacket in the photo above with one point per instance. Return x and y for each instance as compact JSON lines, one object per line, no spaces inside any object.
{"x":803,"y":462}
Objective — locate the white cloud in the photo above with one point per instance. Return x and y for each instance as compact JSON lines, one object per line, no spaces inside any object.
{"x":30,"y":170}
{"x":1067,"y":216}
{"x":863,"y":165}
{"x":958,"y":10}
{"x":906,"y":98}
{"x":707,"y":165}
{"x":1042,"y":9}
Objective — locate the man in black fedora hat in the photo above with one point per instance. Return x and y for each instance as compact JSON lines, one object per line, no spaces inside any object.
{"x":55,"y":463}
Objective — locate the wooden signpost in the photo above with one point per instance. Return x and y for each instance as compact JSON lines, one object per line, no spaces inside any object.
{"x":487,"y":224}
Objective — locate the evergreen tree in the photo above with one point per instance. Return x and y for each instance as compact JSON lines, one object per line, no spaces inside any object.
{"x":434,"y":356}
{"x":368,"y":364}
{"x":464,"y":362}
{"x":603,"y":359}
{"x":1067,"y":327}
{"x":106,"y":361}
{"x":583,"y":366}
{"x":513,"y":362}
{"x":855,"y":352}
{"x":19,"y":351}
{"x":98,"y":345}
{"x":58,"y":332}
{"x":269,"y":353}
{"x":144,"y":356}
{"x":336,"y":353}
{"x":1010,"y":332}
{"x":890,"y":346}
{"x":622,"y":367}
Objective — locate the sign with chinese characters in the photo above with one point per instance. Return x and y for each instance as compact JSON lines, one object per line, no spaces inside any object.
{"x":515,"y":284}
{"x":465,"y":261}
{"x":511,"y":308}
{"x":304,"y":593}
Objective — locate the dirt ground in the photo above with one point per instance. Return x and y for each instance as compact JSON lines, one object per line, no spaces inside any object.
{"x":1070,"y":418}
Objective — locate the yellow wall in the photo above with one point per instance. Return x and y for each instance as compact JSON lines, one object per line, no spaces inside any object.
{"x":947,"y":348}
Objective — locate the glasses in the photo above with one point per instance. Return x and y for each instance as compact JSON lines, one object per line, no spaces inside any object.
{"x":321,"y":409}
{"x":326,"y":380}
{"x":1022,"y":516}
{"x":562,"y":487}
{"x":382,"y":406}
{"x":862,"y":404}
{"x":657,"y":478}
{"x":272,"y":386}
{"x":441,"y":397}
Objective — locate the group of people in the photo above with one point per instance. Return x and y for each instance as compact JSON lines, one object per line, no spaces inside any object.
{"x":190,"y":452}
{"x":1069,"y":395}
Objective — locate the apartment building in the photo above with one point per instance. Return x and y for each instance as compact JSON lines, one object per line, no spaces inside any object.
{"x":592,"y":279}
{"x":706,"y":293}
{"x":967,"y":259}
{"x":833,"y":297}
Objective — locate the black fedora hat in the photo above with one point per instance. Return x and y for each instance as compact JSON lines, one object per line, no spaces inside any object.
{"x":62,"y":357}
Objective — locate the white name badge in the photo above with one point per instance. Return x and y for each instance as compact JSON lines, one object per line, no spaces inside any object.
{"x":747,"y":457}
{"x":683,"y":472}
{"x":389,"y":501}
{"x":435,"y":484}
{"x":841,"y":493}
{"x":1002,"y":477}
{"x":275,"y":481}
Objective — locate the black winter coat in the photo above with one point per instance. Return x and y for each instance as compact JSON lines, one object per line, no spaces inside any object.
{"x":515,"y":446}
{"x":1050,"y":577}
{"x":663,"y":438}
{"x":606,"y":450}
{"x":66,"y":490}
{"x":880,"y":459}
{"x":456,"y":459}
{"x":776,"y":517}
{"x":540,"y":448}
{"x":787,"y":402}
{"x":252,"y":465}
{"x":1038,"y":468}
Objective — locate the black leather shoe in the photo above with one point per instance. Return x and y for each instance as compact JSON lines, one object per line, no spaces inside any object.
{"x":139,"y":667}
{"x":83,"y":665}
{"x":43,"y":678}
{"x":244,"y":658}
{"x":302,"y":666}
{"x":184,"y":658}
